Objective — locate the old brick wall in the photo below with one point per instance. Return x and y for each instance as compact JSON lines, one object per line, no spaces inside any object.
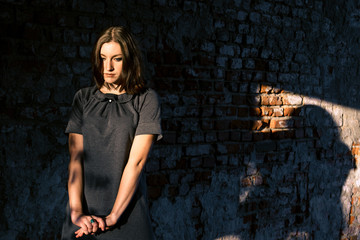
{"x":260,"y":110}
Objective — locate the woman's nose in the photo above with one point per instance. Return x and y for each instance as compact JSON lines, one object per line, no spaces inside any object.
{"x":109,"y":66}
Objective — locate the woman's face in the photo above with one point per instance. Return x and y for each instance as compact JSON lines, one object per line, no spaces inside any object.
{"x":111,"y":56}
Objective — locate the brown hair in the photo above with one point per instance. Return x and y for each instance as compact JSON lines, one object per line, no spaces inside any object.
{"x":131,"y":78}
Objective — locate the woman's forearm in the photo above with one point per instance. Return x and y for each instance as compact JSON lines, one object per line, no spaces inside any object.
{"x":75,"y":186}
{"x":75,"y":182}
{"x":130,"y":178}
{"x":127,"y":188}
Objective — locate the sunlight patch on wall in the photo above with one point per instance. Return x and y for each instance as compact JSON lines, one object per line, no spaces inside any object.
{"x":229,"y":237}
{"x":298,"y":235}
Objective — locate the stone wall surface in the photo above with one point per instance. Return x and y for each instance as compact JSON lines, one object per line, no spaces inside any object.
{"x":260,"y":113}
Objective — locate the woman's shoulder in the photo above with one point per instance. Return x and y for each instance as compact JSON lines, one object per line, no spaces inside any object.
{"x":85,"y":93}
{"x":148,"y":98}
{"x":147,"y":95}
{"x":147,"y":92}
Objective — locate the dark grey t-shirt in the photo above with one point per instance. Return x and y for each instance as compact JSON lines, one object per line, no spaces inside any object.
{"x":109,"y":123}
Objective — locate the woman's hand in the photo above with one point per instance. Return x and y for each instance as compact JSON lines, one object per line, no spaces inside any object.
{"x":98,"y":224}
{"x":88,"y":224}
{"x":110,"y":220}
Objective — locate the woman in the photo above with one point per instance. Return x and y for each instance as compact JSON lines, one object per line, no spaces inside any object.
{"x":111,"y":130}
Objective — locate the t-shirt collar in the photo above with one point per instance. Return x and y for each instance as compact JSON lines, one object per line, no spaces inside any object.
{"x":122,"y":98}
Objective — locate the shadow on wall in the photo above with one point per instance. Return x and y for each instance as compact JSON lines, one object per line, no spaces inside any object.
{"x":287,"y":187}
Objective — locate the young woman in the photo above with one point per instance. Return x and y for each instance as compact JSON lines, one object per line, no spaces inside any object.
{"x":111,"y":130}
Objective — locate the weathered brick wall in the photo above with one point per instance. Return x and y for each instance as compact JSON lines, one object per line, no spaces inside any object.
{"x":259,"y":104}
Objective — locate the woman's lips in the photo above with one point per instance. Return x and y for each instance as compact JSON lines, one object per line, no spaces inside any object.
{"x":109,"y":75}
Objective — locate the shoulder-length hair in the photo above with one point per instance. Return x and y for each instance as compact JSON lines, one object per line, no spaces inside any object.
{"x":131,"y":77}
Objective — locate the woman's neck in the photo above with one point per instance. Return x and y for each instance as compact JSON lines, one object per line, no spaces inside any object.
{"x":111,"y":88}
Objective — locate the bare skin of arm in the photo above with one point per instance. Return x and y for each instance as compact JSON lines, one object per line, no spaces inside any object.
{"x":75,"y":187}
{"x":138,"y":154}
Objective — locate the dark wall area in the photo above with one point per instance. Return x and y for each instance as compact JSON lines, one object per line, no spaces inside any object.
{"x":260,"y":113}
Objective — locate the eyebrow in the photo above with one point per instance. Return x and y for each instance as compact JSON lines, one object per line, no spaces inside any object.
{"x":111,"y":56}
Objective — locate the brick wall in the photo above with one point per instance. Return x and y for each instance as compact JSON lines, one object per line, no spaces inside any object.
{"x":259,"y":104}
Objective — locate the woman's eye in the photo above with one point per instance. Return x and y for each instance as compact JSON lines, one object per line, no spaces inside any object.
{"x":118,"y":59}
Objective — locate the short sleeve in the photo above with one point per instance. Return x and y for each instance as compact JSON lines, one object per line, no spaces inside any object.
{"x":149,"y":115}
{"x":75,"y":121}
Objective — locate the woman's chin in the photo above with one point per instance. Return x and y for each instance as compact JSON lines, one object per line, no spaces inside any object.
{"x":111,"y":81}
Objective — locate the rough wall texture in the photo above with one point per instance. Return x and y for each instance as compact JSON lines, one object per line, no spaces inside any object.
{"x":260,"y":111}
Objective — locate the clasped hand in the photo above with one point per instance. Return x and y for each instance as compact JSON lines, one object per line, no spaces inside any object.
{"x":90,"y":224}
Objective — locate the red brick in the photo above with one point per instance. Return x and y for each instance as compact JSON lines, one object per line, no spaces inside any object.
{"x":255,"y":112}
{"x":277,"y":90}
{"x":291,"y":111}
{"x":355,"y":150}
{"x":267,"y":111}
{"x":292,"y":100}
{"x":256,"y":125}
{"x":254,"y":180}
{"x":253,"y":100}
{"x":277,"y":123}
{"x":259,"y":124}
{"x":271,"y":100}
{"x":265,"y":89}
{"x":352,"y":218}
{"x":278,"y":112}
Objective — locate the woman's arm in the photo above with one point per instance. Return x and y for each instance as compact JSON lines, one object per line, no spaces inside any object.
{"x":75,"y":187}
{"x":138,"y":154}
{"x":75,"y":181}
